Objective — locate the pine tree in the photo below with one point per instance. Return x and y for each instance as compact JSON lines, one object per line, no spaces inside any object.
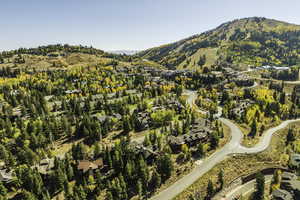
{"x":146,"y":141}
{"x":165,"y":166}
{"x":156,"y":179}
{"x":97,"y":150}
{"x":202,"y":60}
{"x":60,"y":179}
{"x":253,"y":131}
{"x":3,"y":190}
{"x":143,"y":172}
{"x":214,"y":140}
{"x":70,"y":172}
{"x":139,"y":188}
{"x":79,"y":192}
{"x":282,"y":98}
{"x":109,"y":196}
{"x":290,"y":136}
{"x":200,"y":150}
{"x":260,"y":186}
{"x":221,"y":179}
{"x":210,"y":189}
{"x":126,"y":124}
{"x":27,"y":196}
{"x":46,"y":195}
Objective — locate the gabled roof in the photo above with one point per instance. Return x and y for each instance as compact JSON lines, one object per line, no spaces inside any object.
{"x":288,"y":176}
{"x":6,"y":176}
{"x":45,"y":166}
{"x":86,"y":165}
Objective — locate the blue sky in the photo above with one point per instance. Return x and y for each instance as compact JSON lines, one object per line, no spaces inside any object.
{"x":125,"y":24}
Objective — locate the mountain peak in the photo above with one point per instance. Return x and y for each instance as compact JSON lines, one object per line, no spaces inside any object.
{"x":253,"y":41}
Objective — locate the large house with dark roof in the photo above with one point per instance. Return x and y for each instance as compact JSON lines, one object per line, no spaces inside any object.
{"x":289,"y":187}
{"x":199,"y":132}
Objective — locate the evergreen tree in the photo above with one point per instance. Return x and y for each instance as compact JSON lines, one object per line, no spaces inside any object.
{"x":80,"y":192}
{"x":221,"y":179}
{"x":165,"y":166}
{"x":156,"y":179}
{"x":254,"y":128}
{"x":27,"y":196}
{"x":260,"y":186}
{"x":200,"y":150}
{"x":60,"y":179}
{"x":210,"y":190}
{"x":202,"y":60}
{"x":109,"y":196}
{"x":214,"y":140}
{"x":70,"y":172}
{"x":282,"y":98}
{"x":290,"y":136}
{"x":3,"y":190}
{"x":139,"y":188}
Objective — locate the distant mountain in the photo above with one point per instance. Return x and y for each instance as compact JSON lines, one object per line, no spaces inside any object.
{"x":126,"y":52}
{"x":251,"y":41}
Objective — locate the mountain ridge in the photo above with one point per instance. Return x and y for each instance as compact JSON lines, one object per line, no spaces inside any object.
{"x":210,"y":45}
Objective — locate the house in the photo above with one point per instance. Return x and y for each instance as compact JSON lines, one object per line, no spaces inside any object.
{"x":218,"y":74}
{"x":76,"y":91}
{"x":241,"y":107}
{"x":281,"y":195}
{"x":174,"y":104}
{"x":287,"y":176}
{"x":101,"y":119}
{"x":6,"y":176}
{"x":175,"y":143}
{"x":293,"y":186}
{"x":295,"y":160}
{"x":117,"y":116}
{"x":195,"y":138}
{"x":45,"y":166}
{"x":148,"y":153}
{"x":143,"y":120}
{"x":200,"y":125}
{"x":290,"y":183}
{"x":198,"y":132}
{"x":275,"y":86}
{"x":90,"y":166}
{"x":229,"y":72}
{"x":244,"y":82}
{"x":297,"y":90}
{"x":190,"y":139}
{"x":2,"y":164}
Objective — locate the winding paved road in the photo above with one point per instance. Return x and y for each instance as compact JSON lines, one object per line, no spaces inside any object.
{"x":232,"y":147}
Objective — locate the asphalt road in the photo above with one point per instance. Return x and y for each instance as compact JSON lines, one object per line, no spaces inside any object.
{"x":232,"y":147}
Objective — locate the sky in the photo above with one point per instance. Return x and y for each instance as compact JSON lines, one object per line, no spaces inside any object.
{"x":125,"y":24}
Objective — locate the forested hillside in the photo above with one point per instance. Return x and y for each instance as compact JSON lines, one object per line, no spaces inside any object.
{"x":249,"y":41}
{"x":60,"y":56}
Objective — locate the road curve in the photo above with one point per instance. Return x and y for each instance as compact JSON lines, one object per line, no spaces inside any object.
{"x":232,"y":147}
{"x":266,"y":138}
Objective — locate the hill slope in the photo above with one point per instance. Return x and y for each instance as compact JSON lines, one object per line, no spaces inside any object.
{"x":66,"y":56}
{"x":250,"y":41}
